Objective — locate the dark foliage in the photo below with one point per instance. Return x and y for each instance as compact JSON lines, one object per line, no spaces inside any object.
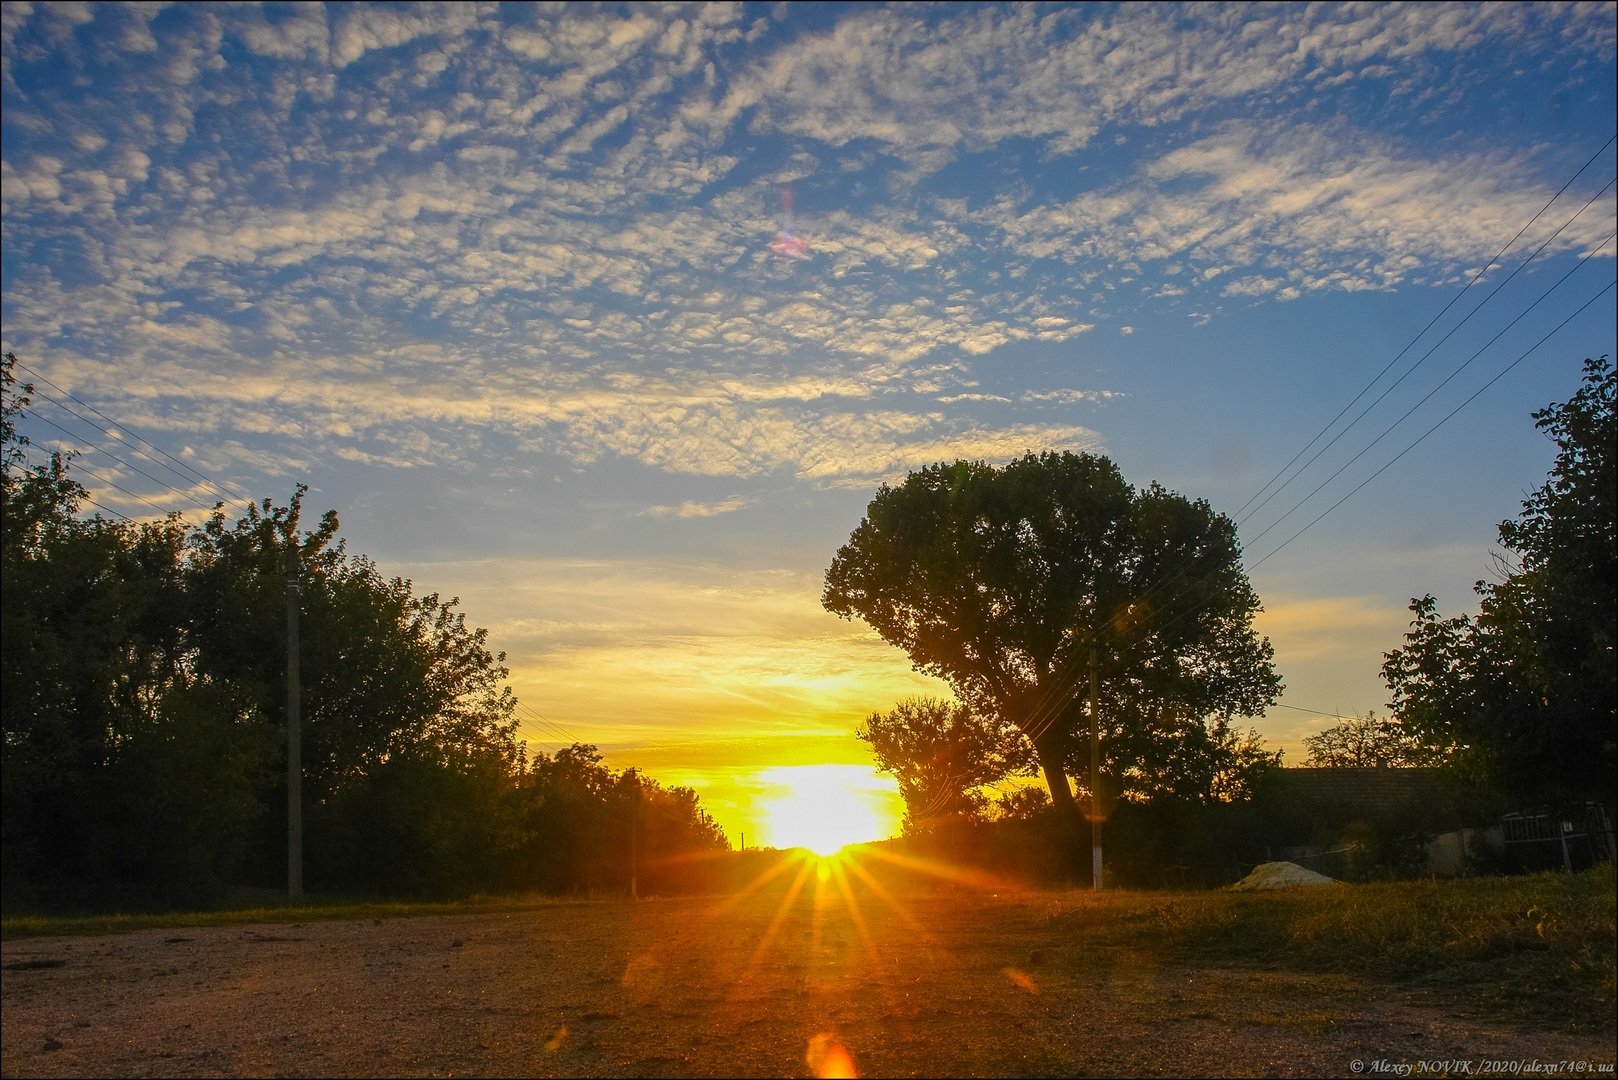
{"x":1005,"y":582}
{"x":145,"y":735}
{"x":1525,"y":693}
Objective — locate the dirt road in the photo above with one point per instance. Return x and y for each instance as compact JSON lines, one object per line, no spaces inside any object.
{"x":951,"y":984}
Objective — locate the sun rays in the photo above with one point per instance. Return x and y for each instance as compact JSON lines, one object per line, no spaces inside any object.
{"x":814,"y":934}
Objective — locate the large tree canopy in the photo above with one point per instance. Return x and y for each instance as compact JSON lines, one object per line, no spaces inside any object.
{"x":1000,"y":581}
{"x":1525,"y":692}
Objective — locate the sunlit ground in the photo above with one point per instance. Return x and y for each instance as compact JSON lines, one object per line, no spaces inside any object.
{"x":835,"y":885}
{"x":827,"y":821}
{"x":830,"y":883}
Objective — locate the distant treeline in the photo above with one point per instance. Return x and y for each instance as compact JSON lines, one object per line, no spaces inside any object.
{"x":145,"y":737}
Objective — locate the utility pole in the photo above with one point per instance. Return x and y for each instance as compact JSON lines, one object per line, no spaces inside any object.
{"x":294,"y":736}
{"x":634,"y":827}
{"x":1095,"y":772}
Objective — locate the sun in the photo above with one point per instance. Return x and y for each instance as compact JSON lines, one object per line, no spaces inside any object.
{"x":824,"y":808}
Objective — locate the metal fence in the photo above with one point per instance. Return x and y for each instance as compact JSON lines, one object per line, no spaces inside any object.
{"x":1572,"y":841}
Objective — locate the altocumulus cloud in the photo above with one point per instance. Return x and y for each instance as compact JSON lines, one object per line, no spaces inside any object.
{"x":555,"y":223}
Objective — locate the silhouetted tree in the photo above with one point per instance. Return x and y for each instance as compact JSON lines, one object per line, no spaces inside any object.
{"x":1525,"y":692}
{"x":578,"y":814}
{"x":941,"y":752}
{"x":1369,"y":741}
{"x":127,"y":773}
{"x":1000,"y":581}
{"x":144,"y":718}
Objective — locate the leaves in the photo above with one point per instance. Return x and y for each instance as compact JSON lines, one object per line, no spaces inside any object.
{"x":941,"y":752}
{"x":1525,"y":692}
{"x":144,"y":713}
{"x":1001,"y":581}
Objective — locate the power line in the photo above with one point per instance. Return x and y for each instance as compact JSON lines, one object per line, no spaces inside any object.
{"x":115,"y":485}
{"x":1331,"y":714}
{"x":1453,"y":301}
{"x":1428,"y":396}
{"x":1419,"y":439}
{"x":195,"y":474}
{"x":1605,"y":289}
{"x":1412,"y":369}
{"x":76,"y":438}
{"x":1063,"y":689}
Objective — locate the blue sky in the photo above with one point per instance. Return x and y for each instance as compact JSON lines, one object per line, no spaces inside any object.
{"x":611,"y":320}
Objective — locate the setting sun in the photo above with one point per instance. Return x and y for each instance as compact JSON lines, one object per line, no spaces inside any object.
{"x":826,"y":807}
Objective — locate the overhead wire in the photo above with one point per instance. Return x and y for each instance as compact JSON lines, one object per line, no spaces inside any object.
{"x":1447,"y":417}
{"x":77,"y":439}
{"x":1430,"y":324}
{"x":1419,"y":439}
{"x":196,"y":475}
{"x":1062,"y":690}
{"x":1436,"y":345}
{"x":1579,"y":265}
{"x":1428,"y":396}
{"x":107,"y":481}
{"x":31,"y":466}
{"x":1093,"y":634}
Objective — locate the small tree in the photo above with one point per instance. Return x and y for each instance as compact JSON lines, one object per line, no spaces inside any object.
{"x":1020,"y":804}
{"x":1363,"y":742}
{"x":942,"y":752}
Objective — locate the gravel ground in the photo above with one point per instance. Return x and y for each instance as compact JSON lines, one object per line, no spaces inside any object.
{"x":952,"y":984}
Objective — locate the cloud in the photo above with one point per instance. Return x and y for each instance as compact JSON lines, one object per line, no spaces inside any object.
{"x":393,"y":233}
{"x":1331,"y":211}
{"x":365,"y":28}
{"x":713,"y":648}
{"x":1070,"y":397}
{"x":1309,"y":628}
{"x":693,"y":509}
{"x":301,"y":31}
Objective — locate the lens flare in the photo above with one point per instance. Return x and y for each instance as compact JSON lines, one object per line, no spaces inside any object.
{"x":828,"y":1058}
{"x":788,"y":243}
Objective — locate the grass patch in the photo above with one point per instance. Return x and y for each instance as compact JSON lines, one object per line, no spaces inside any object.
{"x":1539,"y":948}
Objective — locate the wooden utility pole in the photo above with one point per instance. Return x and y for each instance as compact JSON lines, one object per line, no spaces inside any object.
{"x":634,"y":827}
{"x":294,"y":737}
{"x":1095,"y":772}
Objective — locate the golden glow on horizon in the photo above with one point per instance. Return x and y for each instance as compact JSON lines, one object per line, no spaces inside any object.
{"x":824,"y":808}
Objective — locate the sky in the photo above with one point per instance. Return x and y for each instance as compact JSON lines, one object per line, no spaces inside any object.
{"x":611,"y":321}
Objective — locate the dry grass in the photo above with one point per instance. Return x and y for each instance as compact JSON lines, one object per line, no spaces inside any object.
{"x":906,"y":978}
{"x":1539,"y":948}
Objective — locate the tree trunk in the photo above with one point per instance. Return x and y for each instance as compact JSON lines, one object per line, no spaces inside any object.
{"x":1064,"y":860}
{"x":1050,"y":763}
